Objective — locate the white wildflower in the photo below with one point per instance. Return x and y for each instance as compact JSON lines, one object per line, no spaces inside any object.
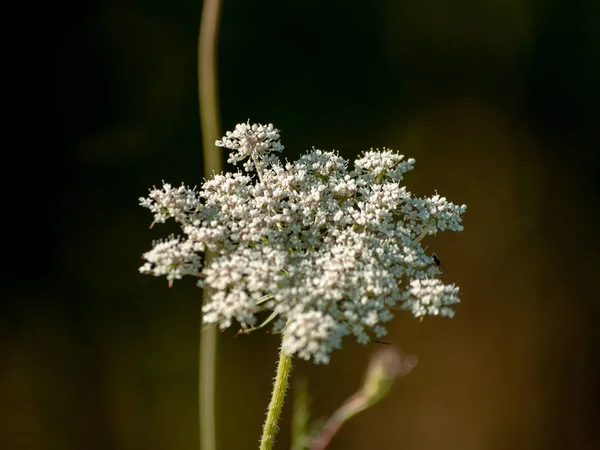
{"x":173,"y":258}
{"x":167,"y":202}
{"x":312,"y":335}
{"x":317,"y":248}
{"x":254,"y":142}
{"x":430,"y":296}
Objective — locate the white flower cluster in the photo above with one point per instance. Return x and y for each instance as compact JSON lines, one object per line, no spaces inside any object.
{"x":321,"y":250}
{"x":253,"y":143}
{"x":174,"y":258}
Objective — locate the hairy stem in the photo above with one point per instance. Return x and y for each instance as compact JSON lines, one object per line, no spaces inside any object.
{"x":279,"y":388}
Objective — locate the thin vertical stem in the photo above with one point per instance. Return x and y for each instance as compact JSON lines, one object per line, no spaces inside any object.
{"x":209,"y":123}
{"x":207,"y":382}
{"x":207,"y":85}
{"x":279,"y":388}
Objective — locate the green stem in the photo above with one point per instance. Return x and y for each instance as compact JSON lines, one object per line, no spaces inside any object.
{"x":281,"y":383}
{"x":209,"y":123}
{"x":207,"y":85}
{"x":207,"y":382}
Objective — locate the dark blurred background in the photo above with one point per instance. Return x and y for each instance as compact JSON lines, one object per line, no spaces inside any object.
{"x":498,"y":101}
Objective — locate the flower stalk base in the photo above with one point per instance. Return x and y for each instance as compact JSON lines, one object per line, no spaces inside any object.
{"x":277,"y":398}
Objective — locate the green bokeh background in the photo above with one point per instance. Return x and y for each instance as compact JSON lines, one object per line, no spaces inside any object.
{"x":496,"y":100}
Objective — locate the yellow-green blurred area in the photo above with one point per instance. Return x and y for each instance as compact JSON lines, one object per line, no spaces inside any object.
{"x":495,"y":100}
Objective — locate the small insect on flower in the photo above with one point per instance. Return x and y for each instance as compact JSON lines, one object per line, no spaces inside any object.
{"x":438,"y":262}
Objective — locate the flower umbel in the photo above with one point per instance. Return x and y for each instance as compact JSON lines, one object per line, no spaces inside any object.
{"x":321,"y":249}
